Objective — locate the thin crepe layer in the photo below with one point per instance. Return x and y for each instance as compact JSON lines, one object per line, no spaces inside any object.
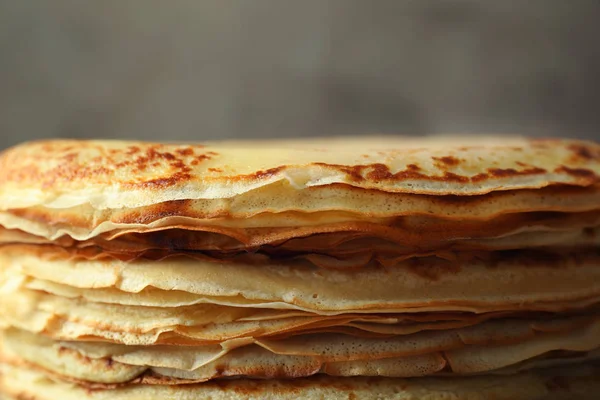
{"x":72,"y":319}
{"x":100,"y":363}
{"x":507,"y":281}
{"x":120,"y":174}
{"x":279,"y":205}
{"x":334,"y":251}
{"x":302,"y":230}
{"x":580,"y":383}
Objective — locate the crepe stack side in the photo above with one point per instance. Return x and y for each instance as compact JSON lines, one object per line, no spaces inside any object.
{"x":356,"y":268}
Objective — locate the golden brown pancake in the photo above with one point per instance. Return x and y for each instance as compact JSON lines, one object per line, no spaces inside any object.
{"x":83,"y":189}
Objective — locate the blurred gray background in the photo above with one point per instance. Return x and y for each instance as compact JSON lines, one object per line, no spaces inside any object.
{"x":209,"y":69}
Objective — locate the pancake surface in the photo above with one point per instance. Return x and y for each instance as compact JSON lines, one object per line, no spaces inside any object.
{"x":358,"y":268}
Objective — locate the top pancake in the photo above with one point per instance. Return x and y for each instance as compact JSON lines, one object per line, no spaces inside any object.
{"x":117,"y":174}
{"x":86,"y":188}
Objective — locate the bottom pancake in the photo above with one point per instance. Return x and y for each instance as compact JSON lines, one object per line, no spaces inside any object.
{"x":582,"y":382}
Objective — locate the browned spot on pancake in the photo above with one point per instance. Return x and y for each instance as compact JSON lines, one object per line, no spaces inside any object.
{"x":583,"y":153}
{"x":452,"y":177}
{"x":153,"y":154}
{"x":479,"y":177}
{"x":132,"y":150}
{"x":64,"y":172}
{"x":181,"y":171}
{"x":447,"y":161}
{"x":380,"y":172}
{"x":199,"y":158}
{"x":577,"y":172}
{"x":174,"y":165}
{"x":215,"y":170}
{"x":411,"y":173}
{"x":262,"y":174}
{"x":510,"y":172}
{"x":186,"y":152}
{"x":160,"y":183}
{"x":506,"y":173}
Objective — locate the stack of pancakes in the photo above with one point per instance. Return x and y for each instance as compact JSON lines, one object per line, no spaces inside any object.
{"x":341,"y":269}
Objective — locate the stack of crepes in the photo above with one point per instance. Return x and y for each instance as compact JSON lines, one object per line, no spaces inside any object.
{"x":385,"y":268}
